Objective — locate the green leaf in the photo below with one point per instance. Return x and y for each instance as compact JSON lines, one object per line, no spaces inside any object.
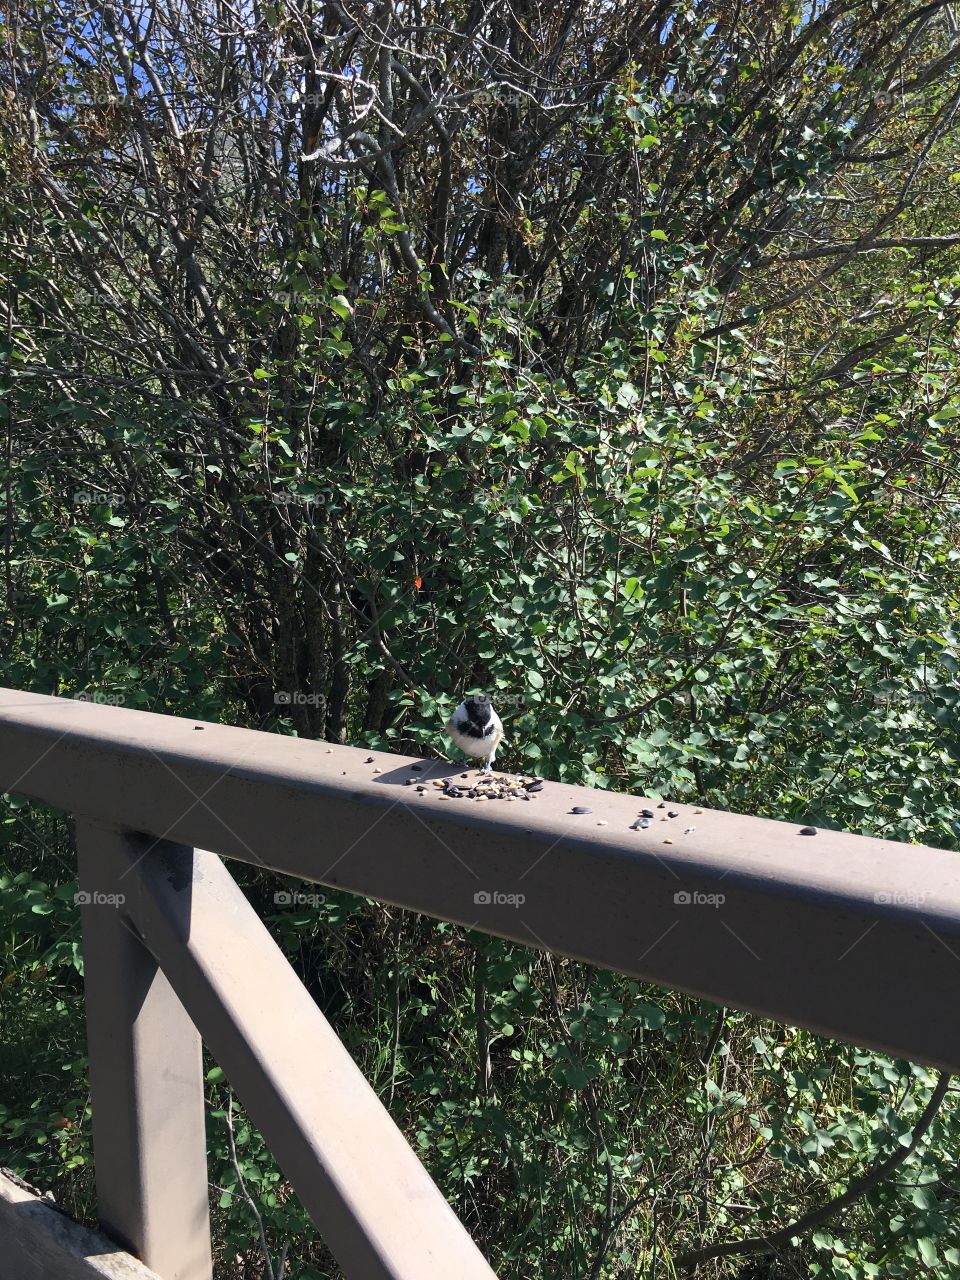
{"x":648,"y":1015}
{"x":928,"y":1251}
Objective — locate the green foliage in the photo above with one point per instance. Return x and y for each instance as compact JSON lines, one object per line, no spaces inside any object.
{"x":626,"y":389}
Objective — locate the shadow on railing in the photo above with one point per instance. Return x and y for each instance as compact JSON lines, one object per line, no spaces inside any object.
{"x":852,"y":937}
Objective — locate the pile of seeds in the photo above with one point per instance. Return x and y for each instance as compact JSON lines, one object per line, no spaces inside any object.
{"x":646,"y":816}
{"x":482,"y":786}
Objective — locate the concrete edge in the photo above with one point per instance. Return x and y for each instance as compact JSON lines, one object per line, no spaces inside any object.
{"x":40,"y":1241}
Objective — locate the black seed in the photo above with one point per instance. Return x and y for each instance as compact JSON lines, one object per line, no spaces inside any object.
{"x":369,"y":760}
{"x":454,"y":791}
{"x":416,"y":768}
{"x":421,"y":788}
{"x":808,"y":831}
{"x":473,"y":793}
{"x":644,"y":823}
{"x":672,"y":813}
{"x":408,"y":783}
{"x":646,"y":813}
{"x":535,"y":786}
{"x":581,"y":808}
{"x":661,"y":805}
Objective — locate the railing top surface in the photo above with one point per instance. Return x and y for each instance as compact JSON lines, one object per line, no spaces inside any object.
{"x":108,"y":738}
{"x":841,"y":920}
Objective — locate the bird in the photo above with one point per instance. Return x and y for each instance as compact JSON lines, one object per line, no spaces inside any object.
{"x":476,"y":729}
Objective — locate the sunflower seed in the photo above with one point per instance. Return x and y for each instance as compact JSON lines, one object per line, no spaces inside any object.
{"x":581,"y":808}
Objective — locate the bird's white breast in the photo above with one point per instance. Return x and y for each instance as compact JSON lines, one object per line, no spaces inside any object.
{"x":479,"y":747}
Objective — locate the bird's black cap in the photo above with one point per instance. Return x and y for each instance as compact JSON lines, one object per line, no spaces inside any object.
{"x":478,"y":708}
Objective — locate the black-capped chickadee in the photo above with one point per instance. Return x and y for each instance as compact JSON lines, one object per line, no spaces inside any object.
{"x":476,"y":729}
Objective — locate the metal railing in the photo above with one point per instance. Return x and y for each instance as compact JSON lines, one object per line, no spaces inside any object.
{"x":852,"y":937}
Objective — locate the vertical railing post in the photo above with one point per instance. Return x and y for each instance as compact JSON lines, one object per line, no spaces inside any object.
{"x":146,"y":1074}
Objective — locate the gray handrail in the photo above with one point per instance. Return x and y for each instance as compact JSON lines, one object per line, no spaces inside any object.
{"x":852,"y":937}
